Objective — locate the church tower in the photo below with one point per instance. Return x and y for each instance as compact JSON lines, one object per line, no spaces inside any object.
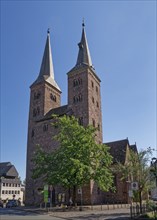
{"x":45,"y":95}
{"x":84,"y":89}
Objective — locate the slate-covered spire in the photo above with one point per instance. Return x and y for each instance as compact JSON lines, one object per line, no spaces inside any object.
{"x":46,"y":70}
{"x":83,"y":54}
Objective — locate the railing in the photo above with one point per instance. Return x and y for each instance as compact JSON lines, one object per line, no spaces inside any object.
{"x":136,"y":211}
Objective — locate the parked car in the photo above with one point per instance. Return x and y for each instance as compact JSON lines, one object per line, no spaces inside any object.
{"x":1,"y":203}
{"x":11,"y":203}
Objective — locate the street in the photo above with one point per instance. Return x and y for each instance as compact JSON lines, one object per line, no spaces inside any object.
{"x":14,"y":214}
{"x":24,"y":214}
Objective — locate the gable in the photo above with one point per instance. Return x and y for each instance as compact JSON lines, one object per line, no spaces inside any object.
{"x":12,"y":172}
{"x":118,"y":150}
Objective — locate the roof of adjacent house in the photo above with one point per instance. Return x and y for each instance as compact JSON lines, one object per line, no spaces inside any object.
{"x":8,"y":170}
{"x":118,"y":150}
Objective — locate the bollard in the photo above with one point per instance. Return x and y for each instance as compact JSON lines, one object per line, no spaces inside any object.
{"x":131,"y":216}
{"x":108,"y":206}
{"x":101,"y":206}
{"x":113,"y":206}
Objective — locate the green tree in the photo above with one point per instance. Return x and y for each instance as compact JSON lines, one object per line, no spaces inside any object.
{"x":137,"y":169}
{"x":77,"y":160}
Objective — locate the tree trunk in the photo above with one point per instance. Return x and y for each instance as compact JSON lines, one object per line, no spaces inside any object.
{"x":69,"y":192}
{"x":74,"y":195}
{"x":140,"y":198}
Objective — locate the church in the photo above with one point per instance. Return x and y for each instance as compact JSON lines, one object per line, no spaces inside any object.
{"x":84,"y":102}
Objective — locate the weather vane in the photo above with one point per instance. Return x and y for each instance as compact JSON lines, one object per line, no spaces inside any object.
{"x":83,"y":24}
{"x":48,"y":30}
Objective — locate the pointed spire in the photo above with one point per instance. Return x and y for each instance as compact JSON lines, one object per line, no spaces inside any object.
{"x":46,"y":70}
{"x":47,"y":64}
{"x":83,"y":54}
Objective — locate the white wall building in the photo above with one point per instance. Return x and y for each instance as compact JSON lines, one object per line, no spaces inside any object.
{"x":10,"y":183}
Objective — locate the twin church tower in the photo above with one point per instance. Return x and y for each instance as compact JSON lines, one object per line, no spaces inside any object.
{"x":84,"y":102}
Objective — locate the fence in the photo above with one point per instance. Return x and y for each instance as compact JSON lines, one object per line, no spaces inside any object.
{"x":136,"y":211}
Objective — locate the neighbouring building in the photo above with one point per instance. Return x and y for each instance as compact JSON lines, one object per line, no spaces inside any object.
{"x":84,"y":102}
{"x":120,"y":151}
{"x":10,"y":183}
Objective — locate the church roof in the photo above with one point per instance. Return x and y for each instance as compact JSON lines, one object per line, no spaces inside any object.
{"x":133,"y":147}
{"x":59,"y":111}
{"x":46,"y":70}
{"x":8,"y":170}
{"x":118,"y":150}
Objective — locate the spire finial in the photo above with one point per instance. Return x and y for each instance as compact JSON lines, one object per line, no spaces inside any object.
{"x":83,"y":24}
{"x":48,"y":31}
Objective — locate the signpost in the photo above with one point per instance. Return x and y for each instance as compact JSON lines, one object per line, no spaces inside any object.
{"x":130,"y":193}
{"x":80,"y":192}
{"x":46,"y":194}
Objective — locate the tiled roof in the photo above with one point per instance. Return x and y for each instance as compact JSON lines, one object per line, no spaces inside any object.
{"x":118,"y":150}
{"x":8,"y":170}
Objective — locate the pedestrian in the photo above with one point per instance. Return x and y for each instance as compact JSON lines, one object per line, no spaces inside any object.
{"x":70,"y":201}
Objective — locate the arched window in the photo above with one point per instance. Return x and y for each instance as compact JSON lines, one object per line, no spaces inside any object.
{"x":33,"y":132}
{"x":77,"y":82}
{"x":93,"y":121}
{"x":45,"y":127}
{"x":38,"y":110}
{"x":36,"y":95}
{"x":98,"y":127}
{"x":93,"y":99}
{"x":80,"y":98}
{"x":52,"y":97}
{"x":96,"y":89}
{"x":34,"y":112}
{"x":80,"y":121}
{"x":74,"y":82}
{"x":77,"y":99}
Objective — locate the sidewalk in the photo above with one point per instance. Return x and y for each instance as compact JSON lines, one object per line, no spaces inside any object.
{"x":98,"y":213}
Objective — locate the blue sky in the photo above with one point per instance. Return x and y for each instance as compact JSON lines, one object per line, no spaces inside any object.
{"x":122,"y":42}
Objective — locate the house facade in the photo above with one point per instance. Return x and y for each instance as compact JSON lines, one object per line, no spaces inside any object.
{"x":10,"y":183}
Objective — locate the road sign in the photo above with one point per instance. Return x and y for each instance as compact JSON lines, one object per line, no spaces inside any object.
{"x":130,"y":193}
{"x":46,"y":193}
{"x":134,"y":185}
{"x":79,"y":191}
